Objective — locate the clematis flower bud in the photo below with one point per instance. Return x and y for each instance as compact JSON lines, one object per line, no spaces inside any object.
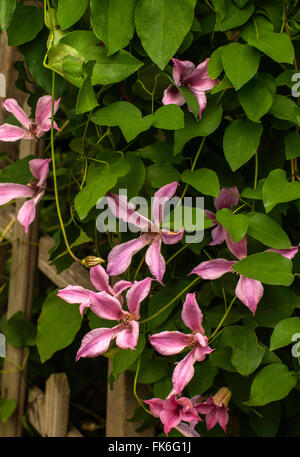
{"x":91,"y":261}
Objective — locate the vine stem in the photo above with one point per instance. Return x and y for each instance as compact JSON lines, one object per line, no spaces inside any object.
{"x":135,"y":384}
{"x":7,"y":228}
{"x":139,"y":267}
{"x":210,"y":339}
{"x":193,"y":166}
{"x":171,"y":302}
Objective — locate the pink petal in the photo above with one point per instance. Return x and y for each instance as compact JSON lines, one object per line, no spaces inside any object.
{"x":227,"y":198}
{"x":156,"y":406}
{"x":172,"y":96}
{"x":211,"y":419}
{"x":40,"y":169}
{"x":201,"y":97}
{"x":201,"y":351}
{"x":169,"y":237}
{"x":222,"y":417}
{"x":97,"y":342}
{"x":210,"y":215}
{"x":182,"y":69}
{"x":183,"y":372}
{"x":122,"y":209}
{"x":12,"y":133}
{"x":217,"y":235}
{"x":187,"y":430}
{"x":26,"y":213}
{"x":128,"y":338}
{"x":200,"y":79}
{"x":120,"y":256}
{"x":100,"y":279}
{"x":170,"y":418}
{"x":46,"y":126}
{"x":10,"y":191}
{"x":160,"y":198}
{"x":239,"y":249}
{"x":288,"y":253}
{"x":43,"y":112}
{"x":106,"y":306}
{"x":136,"y":294}
{"x":249,"y":291}
{"x":155,"y":260}
{"x":170,"y":343}
{"x":120,"y":286}
{"x":13,"y":107}
{"x":213,"y":269}
{"x":75,"y":294}
{"x":191,"y":313}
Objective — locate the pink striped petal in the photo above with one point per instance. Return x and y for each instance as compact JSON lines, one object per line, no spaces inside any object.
{"x":13,"y":107}
{"x":40,"y":169}
{"x":120,"y":286}
{"x":128,"y":338}
{"x":218,"y":236}
{"x":10,"y":191}
{"x":136,"y":294}
{"x":213,"y":269}
{"x":106,"y":306}
{"x":183,"y":372}
{"x":170,"y":343}
{"x":188,"y":430}
{"x":75,"y":294}
{"x":182,"y":69}
{"x":172,"y":96}
{"x":12,"y":133}
{"x":210,"y":215}
{"x":249,"y":291}
{"x":155,"y":260}
{"x":200,"y":79}
{"x":170,"y":419}
{"x":100,"y":279}
{"x":222,"y":417}
{"x":160,"y":198}
{"x":96,"y":342}
{"x":288,"y":253}
{"x":122,"y":209}
{"x":227,"y":198}
{"x":26,"y":213}
{"x":43,"y":112}
{"x":156,"y":406}
{"x":239,"y":249}
{"x":201,"y":97}
{"x":201,"y":351}
{"x":169,"y":237}
{"x":120,"y":256}
{"x":211,"y":419}
{"x":191,"y":313}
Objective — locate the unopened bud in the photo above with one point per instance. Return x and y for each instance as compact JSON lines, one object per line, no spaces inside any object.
{"x":223,"y":396}
{"x":91,"y":261}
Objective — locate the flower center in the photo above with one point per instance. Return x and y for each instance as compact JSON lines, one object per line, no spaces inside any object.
{"x":127,"y":318}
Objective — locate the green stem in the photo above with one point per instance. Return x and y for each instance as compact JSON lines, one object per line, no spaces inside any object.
{"x":194,"y":165}
{"x":139,"y":267}
{"x":135,"y":384}
{"x":223,"y":319}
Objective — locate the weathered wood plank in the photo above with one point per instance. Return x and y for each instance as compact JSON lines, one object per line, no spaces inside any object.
{"x":56,"y":413}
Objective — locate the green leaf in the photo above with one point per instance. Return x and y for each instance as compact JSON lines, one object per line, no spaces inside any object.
{"x":70,"y":11}
{"x":123,"y":358}
{"x":231,"y":16}
{"x":7,"y":407}
{"x":277,"y":189}
{"x":264,"y":229}
{"x":100,"y":180}
{"x":209,"y":122}
{"x":190,"y":99}
{"x":169,"y":117}
{"x":17,"y":172}
{"x":58,"y":324}
{"x":86,"y":100}
{"x":277,"y":303}
{"x":203,"y":378}
{"x":292,"y":145}
{"x":7,"y":8}
{"x":246,"y":352}
{"x":266,"y":421}
{"x":204,"y":180}
{"x":215,"y":64}
{"x":267,"y":267}
{"x":257,"y":96}
{"x":151,"y":369}
{"x":283,"y":333}
{"x":286,"y":109}
{"x":125,"y":115}
{"x":240,"y":63}
{"x":159,"y":152}
{"x":134,"y":180}
{"x":26,"y":23}
{"x":254,"y":28}
{"x":162,"y":388}
{"x":240,"y":142}
{"x":278,"y":46}
{"x":18,"y":331}
{"x":235,"y":224}
{"x":272,"y":383}
{"x":159,"y":33}
{"x":161,"y":174}
{"x":113,"y":22}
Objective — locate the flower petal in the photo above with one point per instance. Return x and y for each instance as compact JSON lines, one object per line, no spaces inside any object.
{"x":106,"y":306}
{"x":238,"y":249}
{"x":188,"y":430}
{"x":191,"y":313}
{"x":200,"y":79}
{"x":73,"y":294}
{"x":156,"y":406}
{"x":136,"y":294}
{"x":10,"y":191}
{"x":124,"y":210}
{"x":120,"y":256}
{"x":128,"y":338}
{"x":159,"y":200}
{"x":155,"y":260}
{"x":222,"y":417}
{"x":43,"y":112}
{"x":26,"y":213}
{"x":213,"y":269}
{"x":182,"y":69}
{"x":169,"y":237}
{"x":172,"y":96}
{"x":40,"y":169}
{"x":12,"y":133}
{"x":170,"y":343}
{"x":120,"y":286}
{"x":13,"y":107}
{"x":227,"y":198}
{"x":218,"y":236}
{"x":100,"y":279}
{"x":288,"y":253}
{"x":201,"y":97}
{"x":249,"y":291}
{"x":97,"y":342}
{"x":183,"y":372}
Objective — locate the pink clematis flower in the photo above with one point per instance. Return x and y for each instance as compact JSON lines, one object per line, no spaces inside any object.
{"x":227,"y":198}
{"x":35,"y":190}
{"x":170,"y":343}
{"x":32,"y":129}
{"x":216,"y":409}
{"x":174,"y":413}
{"x":120,"y":256}
{"x":100,"y":280}
{"x":106,"y":306}
{"x":249,"y":291}
{"x":196,"y":79}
